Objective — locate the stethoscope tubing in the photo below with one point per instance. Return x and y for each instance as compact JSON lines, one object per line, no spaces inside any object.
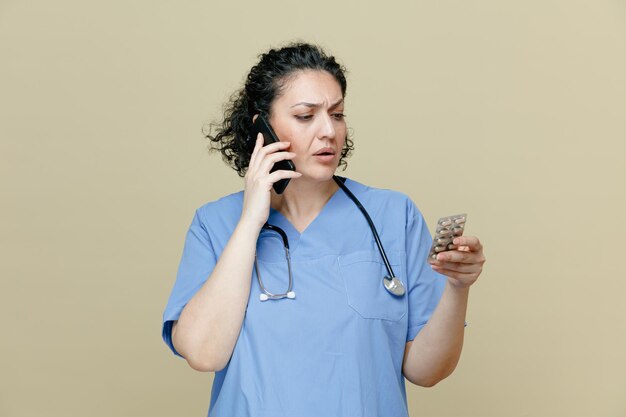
{"x":369,"y":221}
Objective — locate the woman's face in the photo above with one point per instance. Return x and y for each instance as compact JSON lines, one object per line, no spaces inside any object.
{"x":309,"y":114}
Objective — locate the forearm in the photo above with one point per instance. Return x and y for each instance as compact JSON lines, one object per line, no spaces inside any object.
{"x":208,"y":327}
{"x":435,"y":351}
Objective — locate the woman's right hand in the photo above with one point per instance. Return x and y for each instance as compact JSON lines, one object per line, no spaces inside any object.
{"x":259,"y":180}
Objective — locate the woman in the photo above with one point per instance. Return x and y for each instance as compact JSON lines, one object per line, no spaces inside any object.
{"x":337,"y":343}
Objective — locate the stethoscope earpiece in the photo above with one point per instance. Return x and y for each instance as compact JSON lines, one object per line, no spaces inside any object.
{"x":265,"y":297}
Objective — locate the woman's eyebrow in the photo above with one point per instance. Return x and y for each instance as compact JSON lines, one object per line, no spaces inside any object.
{"x":316,"y":105}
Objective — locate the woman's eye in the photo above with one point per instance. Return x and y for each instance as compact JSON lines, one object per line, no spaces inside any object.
{"x":304,"y":117}
{"x":339,"y":116}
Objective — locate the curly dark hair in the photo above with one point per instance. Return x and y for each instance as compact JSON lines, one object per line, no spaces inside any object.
{"x":232,"y":137}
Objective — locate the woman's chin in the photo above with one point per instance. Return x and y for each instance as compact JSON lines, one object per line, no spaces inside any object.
{"x":317,"y":176}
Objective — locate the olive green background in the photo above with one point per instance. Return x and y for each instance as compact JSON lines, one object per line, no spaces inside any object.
{"x":514,"y":112}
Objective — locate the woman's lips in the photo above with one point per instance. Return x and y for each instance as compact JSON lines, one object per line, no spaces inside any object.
{"x":325,"y":157}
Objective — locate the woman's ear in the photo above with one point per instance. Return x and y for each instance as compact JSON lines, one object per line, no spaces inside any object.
{"x":254,"y":117}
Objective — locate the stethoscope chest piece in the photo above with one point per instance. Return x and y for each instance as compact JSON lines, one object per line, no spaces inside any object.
{"x":394,"y":286}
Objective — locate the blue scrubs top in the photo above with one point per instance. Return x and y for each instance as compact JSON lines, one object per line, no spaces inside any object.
{"x":337,"y":348}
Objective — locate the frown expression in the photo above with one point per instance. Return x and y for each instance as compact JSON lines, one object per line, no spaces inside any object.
{"x":309,"y":114}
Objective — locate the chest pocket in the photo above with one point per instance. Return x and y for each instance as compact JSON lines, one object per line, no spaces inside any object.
{"x":362,"y":273}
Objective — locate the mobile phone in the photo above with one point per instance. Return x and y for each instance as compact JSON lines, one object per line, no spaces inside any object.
{"x":261,"y":125}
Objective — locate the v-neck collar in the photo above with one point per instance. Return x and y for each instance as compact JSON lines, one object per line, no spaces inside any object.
{"x":276,"y":218}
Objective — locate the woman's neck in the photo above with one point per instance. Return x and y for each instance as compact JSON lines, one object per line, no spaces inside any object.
{"x":303,"y":200}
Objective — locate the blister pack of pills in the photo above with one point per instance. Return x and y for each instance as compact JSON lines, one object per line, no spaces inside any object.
{"x":447,"y":229}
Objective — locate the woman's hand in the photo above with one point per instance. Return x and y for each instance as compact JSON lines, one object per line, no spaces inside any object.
{"x":259,"y":181}
{"x":463,"y":265}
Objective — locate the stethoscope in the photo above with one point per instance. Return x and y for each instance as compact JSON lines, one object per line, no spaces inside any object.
{"x":390,"y":281}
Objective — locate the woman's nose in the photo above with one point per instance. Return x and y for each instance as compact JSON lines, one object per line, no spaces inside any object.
{"x":327,"y":128}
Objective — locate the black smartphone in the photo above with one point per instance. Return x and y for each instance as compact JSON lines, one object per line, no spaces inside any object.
{"x":269,"y":136}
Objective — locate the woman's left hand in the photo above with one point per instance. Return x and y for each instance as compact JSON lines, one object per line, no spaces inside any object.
{"x":463,"y":265}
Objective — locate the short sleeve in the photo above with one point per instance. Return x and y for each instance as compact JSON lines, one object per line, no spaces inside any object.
{"x":196,"y":264}
{"x":425,"y":286}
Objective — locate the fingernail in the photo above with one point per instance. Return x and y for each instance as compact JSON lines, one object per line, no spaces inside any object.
{"x":456,"y":241}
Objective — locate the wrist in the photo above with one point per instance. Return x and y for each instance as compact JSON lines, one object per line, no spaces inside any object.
{"x":458,"y":286}
{"x":249,"y":225}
